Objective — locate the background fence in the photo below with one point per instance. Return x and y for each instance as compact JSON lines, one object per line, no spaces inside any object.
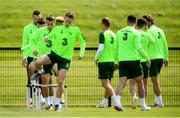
{"x":84,"y":88}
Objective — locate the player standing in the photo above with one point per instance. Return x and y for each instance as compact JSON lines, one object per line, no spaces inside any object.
{"x":146,"y":40}
{"x":63,"y":39}
{"x":27,"y":33}
{"x":129,"y":49}
{"x":105,"y":58}
{"x":158,"y":53}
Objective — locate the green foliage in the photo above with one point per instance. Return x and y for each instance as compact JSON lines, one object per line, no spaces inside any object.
{"x":17,"y":13}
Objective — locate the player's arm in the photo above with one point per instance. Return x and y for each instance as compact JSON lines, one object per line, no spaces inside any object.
{"x":140,"y":49}
{"x":82,"y":44}
{"x":165,"y":49}
{"x":34,"y":43}
{"x":25,"y":42}
{"x":101,"y":46}
{"x":116,"y":48}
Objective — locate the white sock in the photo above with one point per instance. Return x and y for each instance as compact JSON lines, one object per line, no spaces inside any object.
{"x":159,"y":99}
{"x":117,"y":99}
{"x":143,"y":102}
{"x":57,"y":101}
{"x":46,"y":101}
{"x":104,"y":101}
{"x":40,"y":71}
{"x":50,"y":99}
{"x":156,"y":100}
{"x":42,"y":99}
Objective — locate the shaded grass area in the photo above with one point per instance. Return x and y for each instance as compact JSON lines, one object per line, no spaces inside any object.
{"x":90,"y":112}
{"x":17,"y":13}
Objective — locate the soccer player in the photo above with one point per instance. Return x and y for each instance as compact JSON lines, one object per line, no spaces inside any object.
{"x":146,"y":40}
{"x":129,"y":48}
{"x":63,"y":39}
{"x":158,"y":53}
{"x":27,"y":33}
{"x":42,"y":48}
{"x":105,"y":58}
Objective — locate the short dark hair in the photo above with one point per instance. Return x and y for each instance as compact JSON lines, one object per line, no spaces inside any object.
{"x":50,"y":18}
{"x":36,"y":12}
{"x":106,"y":21}
{"x":131,"y":19}
{"x":69,"y":15}
{"x":41,"y":21}
{"x":149,"y":18}
{"x":141,"y":22}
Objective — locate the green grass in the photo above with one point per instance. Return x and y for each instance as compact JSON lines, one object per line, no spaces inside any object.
{"x":17,"y":13}
{"x":90,"y":112}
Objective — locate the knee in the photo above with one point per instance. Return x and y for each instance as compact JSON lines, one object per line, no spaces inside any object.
{"x":60,"y":83}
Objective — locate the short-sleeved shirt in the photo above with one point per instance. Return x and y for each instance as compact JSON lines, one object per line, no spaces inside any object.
{"x":63,"y":40}
{"x":108,"y":39}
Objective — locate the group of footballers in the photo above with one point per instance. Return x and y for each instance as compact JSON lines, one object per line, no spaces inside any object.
{"x":47,"y":43}
{"x":138,"y":51}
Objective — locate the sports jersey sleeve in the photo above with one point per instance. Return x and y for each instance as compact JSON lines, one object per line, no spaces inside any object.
{"x":165,"y":47}
{"x":101,"y":45}
{"x":116,"y":48}
{"x":139,"y":46}
{"x":82,"y":42}
{"x":25,"y":42}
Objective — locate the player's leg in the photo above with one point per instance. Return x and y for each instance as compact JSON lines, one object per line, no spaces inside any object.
{"x":136,"y":73}
{"x":29,"y":60}
{"x":60,"y":89}
{"x":51,"y":93}
{"x":63,"y":66}
{"x":123,"y":74}
{"x":145,"y":76}
{"x":45,"y":59}
{"x":45,"y":90}
{"x":154,"y":71}
{"x":132,"y":88}
{"x":103,"y":73}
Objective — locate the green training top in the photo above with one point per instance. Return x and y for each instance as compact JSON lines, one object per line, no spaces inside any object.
{"x":27,"y":33}
{"x":158,"y":50}
{"x":64,"y":39}
{"x":146,"y":39}
{"x":108,"y":39}
{"x":37,"y":42}
{"x":128,"y":45}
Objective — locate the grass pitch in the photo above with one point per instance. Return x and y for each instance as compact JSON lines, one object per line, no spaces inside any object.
{"x":91,"y":112}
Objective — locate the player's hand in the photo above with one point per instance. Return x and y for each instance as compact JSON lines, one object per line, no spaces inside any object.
{"x":166,"y":63}
{"x":24,"y":62}
{"x":79,"y":57}
{"x":116,"y":66}
{"x":35,"y":53}
{"x":148,"y":64}
{"x":96,"y":62}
